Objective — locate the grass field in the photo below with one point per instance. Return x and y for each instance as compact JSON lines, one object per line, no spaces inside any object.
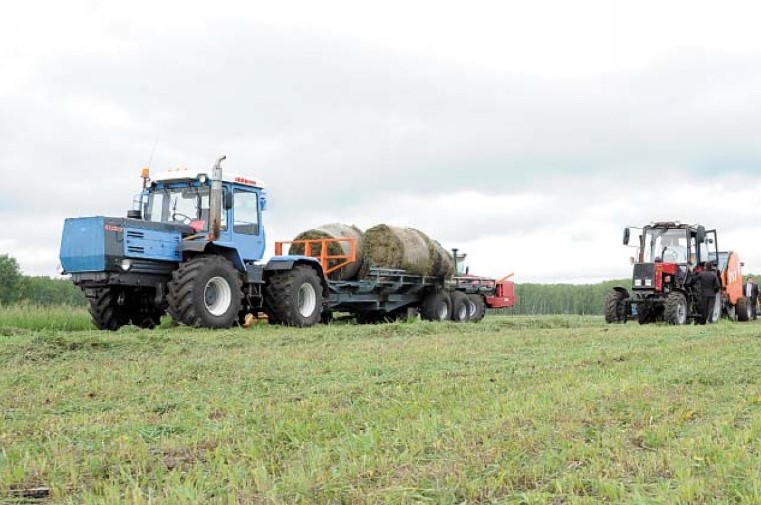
{"x":511,"y":410}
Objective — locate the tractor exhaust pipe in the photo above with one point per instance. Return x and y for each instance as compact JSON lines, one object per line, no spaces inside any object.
{"x":215,"y":200}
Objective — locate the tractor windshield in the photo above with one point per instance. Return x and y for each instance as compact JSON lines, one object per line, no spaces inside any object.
{"x":179,"y":205}
{"x":667,"y":245}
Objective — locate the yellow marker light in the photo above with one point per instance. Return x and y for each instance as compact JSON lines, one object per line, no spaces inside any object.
{"x":146,"y":173}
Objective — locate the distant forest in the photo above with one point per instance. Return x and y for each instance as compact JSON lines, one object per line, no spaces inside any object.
{"x":585,"y":299}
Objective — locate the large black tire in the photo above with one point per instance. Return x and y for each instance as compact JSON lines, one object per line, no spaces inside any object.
{"x":460,"y":307}
{"x":105,"y":311}
{"x":294,"y":297}
{"x":436,"y":306}
{"x":676,"y":310}
{"x":205,"y":291}
{"x":743,"y":309}
{"x":476,"y":308}
{"x":614,"y":307}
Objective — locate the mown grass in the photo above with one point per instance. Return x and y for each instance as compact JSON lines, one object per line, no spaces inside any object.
{"x":511,"y":410}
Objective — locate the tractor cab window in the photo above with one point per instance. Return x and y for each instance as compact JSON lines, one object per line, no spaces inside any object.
{"x":245,"y":212}
{"x":668,"y":246}
{"x":184,"y":205}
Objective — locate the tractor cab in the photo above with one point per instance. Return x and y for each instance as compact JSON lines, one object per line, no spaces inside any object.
{"x":180,"y":198}
{"x":667,"y":250}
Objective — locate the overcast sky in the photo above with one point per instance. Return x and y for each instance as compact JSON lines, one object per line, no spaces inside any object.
{"x":527,"y":134}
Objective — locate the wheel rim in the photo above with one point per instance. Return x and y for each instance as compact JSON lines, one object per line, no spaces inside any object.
{"x":462,"y":312}
{"x":471,"y":309}
{"x":217,"y":296}
{"x":681,"y":313}
{"x":443,"y":311}
{"x":307,"y":299}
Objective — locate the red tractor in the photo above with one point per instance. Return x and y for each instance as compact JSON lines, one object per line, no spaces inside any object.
{"x":660,"y":291}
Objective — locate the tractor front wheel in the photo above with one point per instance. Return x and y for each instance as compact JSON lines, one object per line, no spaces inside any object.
{"x":205,"y":291}
{"x":476,"y":308}
{"x":676,"y":309}
{"x":294,"y":297}
{"x":614,"y":307}
{"x":106,"y":312}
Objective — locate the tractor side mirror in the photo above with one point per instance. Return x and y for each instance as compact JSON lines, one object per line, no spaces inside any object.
{"x":626,"y":236}
{"x":227,"y":202}
{"x":742,"y":264}
{"x":701,"y":234}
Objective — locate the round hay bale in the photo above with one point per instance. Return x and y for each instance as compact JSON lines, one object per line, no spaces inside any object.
{"x":329,"y":231}
{"x":443,"y":264}
{"x":397,"y":248}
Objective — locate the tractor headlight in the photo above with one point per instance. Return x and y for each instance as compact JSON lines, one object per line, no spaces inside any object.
{"x":125,"y":264}
{"x":638,"y":282}
{"x":648,"y":283}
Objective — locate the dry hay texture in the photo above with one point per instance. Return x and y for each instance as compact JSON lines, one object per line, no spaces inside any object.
{"x":406,"y":249}
{"x":334,"y":230}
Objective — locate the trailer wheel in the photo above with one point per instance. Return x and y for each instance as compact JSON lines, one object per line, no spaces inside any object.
{"x":614,"y":307}
{"x":460,"y":307}
{"x":743,"y":309}
{"x":206,"y":291}
{"x":294,"y":297}
{"x":436,"y":306}
{"x":676,"y":309}
{"x":476,"y":308}
{"x":105,"y":311}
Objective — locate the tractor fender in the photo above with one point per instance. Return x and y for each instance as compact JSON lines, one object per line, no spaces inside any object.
{"x":192,"y":247}
{"x":279,"y":263}
{"x":623,"y":291}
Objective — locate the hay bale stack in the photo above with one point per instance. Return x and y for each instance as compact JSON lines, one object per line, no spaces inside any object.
{"x":443,"y":264}
{"x":334,"y":230}
{"x":406,"y":249}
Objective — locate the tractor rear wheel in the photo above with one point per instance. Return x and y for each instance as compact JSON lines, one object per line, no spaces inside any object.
{"x":106,"y":312}
{"x":460,"y":307}
{"x":614,"y":307}
{"x":676,"y":309}
{"x":476,"y":308}
{"x":294,"y":297}
{"x":436,"y":306}
{"x":206,"y":291}
{"x":743,"y":309}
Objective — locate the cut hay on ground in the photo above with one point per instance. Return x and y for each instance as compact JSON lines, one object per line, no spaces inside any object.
{"x":334,"y":230}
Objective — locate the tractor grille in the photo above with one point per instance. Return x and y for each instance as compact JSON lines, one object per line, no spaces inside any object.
{"x":644,"y":276}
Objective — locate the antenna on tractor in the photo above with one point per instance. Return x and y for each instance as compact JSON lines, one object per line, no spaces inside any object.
{"x":146,"y":174}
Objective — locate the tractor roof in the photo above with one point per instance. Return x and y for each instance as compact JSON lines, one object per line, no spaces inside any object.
{"x":671,"y":224}
{"x":185,"y":174}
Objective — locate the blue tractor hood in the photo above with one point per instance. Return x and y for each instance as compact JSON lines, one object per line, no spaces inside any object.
{"x":98,"y":244}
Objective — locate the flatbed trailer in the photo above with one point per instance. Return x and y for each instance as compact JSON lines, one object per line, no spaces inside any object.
{"x":385,"y":294}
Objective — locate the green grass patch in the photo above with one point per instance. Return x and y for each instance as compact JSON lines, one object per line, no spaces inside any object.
{"x":41,"y":317}
{"x":511,"y":410}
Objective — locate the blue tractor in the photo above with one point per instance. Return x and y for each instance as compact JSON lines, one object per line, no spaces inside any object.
{"x":191,"y":248}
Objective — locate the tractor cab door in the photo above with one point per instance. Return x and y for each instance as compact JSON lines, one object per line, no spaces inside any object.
{"x":247,"y":232}
{"x":709,"y":249}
